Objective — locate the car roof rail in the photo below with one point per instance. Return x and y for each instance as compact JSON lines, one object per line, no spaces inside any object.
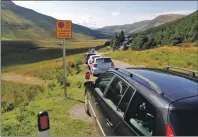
{"x":191,"y":73}
{"x":151,"y":84}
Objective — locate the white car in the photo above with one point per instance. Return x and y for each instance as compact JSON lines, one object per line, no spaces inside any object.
{"x":100,"y":65}
{"x":91,"y":59}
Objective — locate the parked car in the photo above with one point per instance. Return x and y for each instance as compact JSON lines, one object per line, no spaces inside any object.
{"x":144,"y":101}
{"x":91,"y":59}
{"x":100,"y":65}
{"x":87,"y":55}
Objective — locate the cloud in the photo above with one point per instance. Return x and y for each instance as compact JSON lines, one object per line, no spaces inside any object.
{"x":115,"y":14}
{"x":23,"y":3}
{"x":84,"y":20}
{"x":87,"y":21}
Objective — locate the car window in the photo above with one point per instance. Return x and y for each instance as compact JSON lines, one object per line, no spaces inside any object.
{"x":103,"y":81}
{"x":103,"y":60}
{"x":116,"y":90}
{"x":94,"y":58}
{"x":125,"y":100}
{"x":141,"y":115}
{"x":184,"y":122}
{"x":89,"y":55}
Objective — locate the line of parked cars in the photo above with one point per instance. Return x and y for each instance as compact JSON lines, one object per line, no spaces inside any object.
{"x":96,"y":63}
{"x":142,"y":101}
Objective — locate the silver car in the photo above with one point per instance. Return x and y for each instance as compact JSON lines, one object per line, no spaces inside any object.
{"x":100,"y":65}
{"x":91,"y":59}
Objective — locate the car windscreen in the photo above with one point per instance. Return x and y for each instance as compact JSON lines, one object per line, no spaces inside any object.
{"x":184,"y":123}
{"x":103,"y":60}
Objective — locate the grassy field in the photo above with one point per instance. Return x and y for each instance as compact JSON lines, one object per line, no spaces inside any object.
{"x":185,"y":57}
{"x":25,"y":52}
{"x":21,"y":102}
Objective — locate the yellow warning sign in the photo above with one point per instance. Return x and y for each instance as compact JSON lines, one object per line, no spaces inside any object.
{"x":64,"y":29}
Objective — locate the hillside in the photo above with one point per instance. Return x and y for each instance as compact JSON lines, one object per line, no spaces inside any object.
{"x":171,"y":33}
{"x":21,"y":23}
{"x":142,"y":25}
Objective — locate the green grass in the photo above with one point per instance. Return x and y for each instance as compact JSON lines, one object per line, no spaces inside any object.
{"x":28,"y":99}
{"x":23,"y":119}
{"x":45,"y":51}
{"x":185,"y":57}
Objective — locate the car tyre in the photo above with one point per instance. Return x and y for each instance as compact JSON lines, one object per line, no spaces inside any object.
{"x":87,"y":105}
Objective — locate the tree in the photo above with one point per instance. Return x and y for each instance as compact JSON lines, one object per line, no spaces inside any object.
{"x":121,"y":36}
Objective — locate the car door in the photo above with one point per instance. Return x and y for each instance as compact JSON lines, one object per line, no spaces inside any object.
{"x":139,"y":119}
{"x":122,"y":129}
{"x":109,"y":103}
{"x":101,"y":85}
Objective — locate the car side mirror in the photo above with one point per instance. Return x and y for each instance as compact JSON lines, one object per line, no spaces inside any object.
{"x":89,"y":84}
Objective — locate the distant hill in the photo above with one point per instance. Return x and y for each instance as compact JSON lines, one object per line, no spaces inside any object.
{"x":171,"y":33}
{"x":142,"y":25}
{"x":21,"y":23}
{"x":93,"y":28}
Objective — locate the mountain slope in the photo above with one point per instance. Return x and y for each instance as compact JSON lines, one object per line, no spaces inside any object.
{"x":22,"y":23}
{"x":142,"y":25}
{"x":176,"y":32}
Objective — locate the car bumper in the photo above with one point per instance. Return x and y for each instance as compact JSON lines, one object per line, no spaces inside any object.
{"x":97,"y":71}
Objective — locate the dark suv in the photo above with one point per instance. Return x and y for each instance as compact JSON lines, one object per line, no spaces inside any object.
{"x":87,"y":55}
{"x":144,"y":101}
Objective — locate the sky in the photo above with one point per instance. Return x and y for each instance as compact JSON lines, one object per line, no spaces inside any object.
{"x":97,"y":14}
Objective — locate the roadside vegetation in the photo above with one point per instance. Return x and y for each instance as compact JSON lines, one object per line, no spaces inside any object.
{"x":21,"y":102}
{"x":185,"y":57}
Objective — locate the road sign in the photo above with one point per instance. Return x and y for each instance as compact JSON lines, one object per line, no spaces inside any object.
{"x":63,"y":29}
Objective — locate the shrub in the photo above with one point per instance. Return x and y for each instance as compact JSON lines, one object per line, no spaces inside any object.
{"x":51,"y":85}
{"x":31,"y":93}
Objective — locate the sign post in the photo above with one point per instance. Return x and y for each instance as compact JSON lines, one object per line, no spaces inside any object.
{"x":64,"y":31}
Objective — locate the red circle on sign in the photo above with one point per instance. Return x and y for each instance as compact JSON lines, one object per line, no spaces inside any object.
{"x":60,"y":24}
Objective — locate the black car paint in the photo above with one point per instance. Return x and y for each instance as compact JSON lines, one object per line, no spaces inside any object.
{"x":106,"y":113}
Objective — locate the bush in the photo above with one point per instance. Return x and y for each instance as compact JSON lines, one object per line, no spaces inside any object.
{"x":51,"y":85}
{"x":6,"y":107}
{"x":31,"y":93}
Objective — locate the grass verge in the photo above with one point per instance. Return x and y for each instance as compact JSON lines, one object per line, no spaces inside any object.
{"x":185,"y":57}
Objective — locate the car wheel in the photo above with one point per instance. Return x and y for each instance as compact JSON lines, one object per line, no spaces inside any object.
{"x":87,"y":105}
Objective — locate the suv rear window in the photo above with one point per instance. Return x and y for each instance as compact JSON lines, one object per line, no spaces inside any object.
{"x":184,"y":123}
{"x":103,"y":60}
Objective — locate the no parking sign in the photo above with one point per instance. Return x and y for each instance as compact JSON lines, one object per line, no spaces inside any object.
{"x":63,"y":29}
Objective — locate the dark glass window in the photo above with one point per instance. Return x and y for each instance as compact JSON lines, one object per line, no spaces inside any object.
{"x":184,"y":122}
{"x":103,"y":60}
{"x":103,"y":81}
{"x":116,"y":90}
{"x":125,"y":100}
{"x":141,"y":116}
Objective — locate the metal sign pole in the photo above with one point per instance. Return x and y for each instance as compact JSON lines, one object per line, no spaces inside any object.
{"x":64,"y":64}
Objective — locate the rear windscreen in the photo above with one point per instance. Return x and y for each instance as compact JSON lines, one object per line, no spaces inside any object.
{"x":103,"y":60}
{"x":185,"y":123}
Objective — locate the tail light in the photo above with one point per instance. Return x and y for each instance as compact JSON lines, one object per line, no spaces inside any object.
{"x":95,"y":65}
{"x":112,"y":64}
{"x":87,"y":75}
{"x":169,"y":131}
